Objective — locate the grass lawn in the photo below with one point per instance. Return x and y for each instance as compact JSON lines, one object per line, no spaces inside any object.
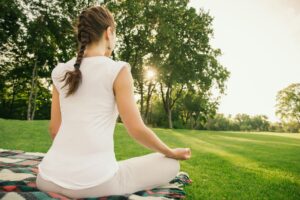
{"x":224,"y":165}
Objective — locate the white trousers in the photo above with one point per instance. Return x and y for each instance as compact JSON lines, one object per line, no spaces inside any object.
{"x":134,"y":174}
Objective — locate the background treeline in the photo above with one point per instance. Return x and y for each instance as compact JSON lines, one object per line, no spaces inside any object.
{"x":244,"y":122}
{"x":185,"y":118}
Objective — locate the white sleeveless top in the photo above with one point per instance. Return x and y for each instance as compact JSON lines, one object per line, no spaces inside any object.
{"x":82,"y":153}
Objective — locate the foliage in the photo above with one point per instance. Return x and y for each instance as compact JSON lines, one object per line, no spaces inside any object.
{"x":288,"y":104}
{"x":175,"y":41}
{"x":35,"y":36}
{"x":244,"y":122}
{"x":168,"y":35}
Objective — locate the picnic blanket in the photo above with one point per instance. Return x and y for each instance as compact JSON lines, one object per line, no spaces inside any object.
{"x":18,"y":170}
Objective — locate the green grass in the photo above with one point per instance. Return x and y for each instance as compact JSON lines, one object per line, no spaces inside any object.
{"x":224,"y":165}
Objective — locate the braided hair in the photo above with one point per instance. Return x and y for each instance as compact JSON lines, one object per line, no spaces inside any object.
{"x":90,"y":25}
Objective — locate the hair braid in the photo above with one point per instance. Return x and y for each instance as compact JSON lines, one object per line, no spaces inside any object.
{"x":91,"y":24}
{"x":84,"y":40}
{"x":76,"y":76}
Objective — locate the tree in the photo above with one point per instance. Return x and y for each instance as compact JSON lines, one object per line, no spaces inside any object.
{"x":195,"y":108}
{"x":288,"y":104}
{"x":40,"y":34}
{"x":260,"y":123}
{"x":156,"y":33}
{"x":218,"y":122}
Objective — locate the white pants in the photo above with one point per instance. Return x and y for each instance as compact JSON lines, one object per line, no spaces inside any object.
{"x":134,"y":174}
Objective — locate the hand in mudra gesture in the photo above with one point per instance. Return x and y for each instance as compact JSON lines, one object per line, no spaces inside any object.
{"x":180,"y":153}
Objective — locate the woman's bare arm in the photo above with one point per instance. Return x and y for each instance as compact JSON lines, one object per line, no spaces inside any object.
{"x":130,"y":115}
{"x":55,"y":120}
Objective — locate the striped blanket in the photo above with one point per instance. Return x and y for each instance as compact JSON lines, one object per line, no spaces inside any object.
{"x":18,"y":170}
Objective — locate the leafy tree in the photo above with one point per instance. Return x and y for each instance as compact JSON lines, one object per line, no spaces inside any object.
{"x":42,"y":37}
{"x":260,"y":123}
{"x":194,"y":108}
{"x":288,"y":108}
{"x":288,"y":104}
{"x":156,"y":33}
{"x":218,"y":122}
{"x":183,"y":54}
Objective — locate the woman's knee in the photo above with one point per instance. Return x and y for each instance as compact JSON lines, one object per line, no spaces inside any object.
{"x":175,"y":166}
{"x":148,"y":171}
{"x":167,"y":169}
{"x":172,"y":165}
{"x":46,"y":186}
{"x":37,"y":182}
{"x":40,"y":182}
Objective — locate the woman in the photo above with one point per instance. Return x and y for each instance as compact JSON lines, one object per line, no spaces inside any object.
{"x":86,"y":102}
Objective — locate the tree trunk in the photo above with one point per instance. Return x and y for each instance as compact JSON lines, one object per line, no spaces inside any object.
{"x":168,"y":102}
{"x":151,"y":88}
{"x":170,"y":118}
{"x":142,"y":100}
{"x":31,"y":90}
{"x":34,"y":103}
{"x":13,"y":99}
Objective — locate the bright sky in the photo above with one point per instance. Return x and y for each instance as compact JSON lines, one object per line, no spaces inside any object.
{"x":260,"y":41}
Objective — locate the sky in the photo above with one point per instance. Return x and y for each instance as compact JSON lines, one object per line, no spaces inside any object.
{"x":260,"y":42}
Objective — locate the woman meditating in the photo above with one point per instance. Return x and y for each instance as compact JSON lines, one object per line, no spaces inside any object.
{"x":89,"y":92}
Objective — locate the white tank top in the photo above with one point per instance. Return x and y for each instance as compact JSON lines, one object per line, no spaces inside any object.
{"x":82,"y":153}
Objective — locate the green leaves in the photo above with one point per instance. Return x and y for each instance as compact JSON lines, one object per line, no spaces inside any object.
{"x":288,"y":104}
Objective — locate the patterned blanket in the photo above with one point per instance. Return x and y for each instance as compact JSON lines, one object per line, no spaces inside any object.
{"x":18,"y":170}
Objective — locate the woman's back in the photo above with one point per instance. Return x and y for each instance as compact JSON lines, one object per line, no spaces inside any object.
{"x":82,"y":154}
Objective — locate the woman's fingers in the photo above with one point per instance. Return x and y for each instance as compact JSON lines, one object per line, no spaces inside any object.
{"x":181,"y":153}
{"x":188,"y":153}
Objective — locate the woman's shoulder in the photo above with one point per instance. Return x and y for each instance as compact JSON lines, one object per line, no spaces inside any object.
{"x":61,"y":66}
{"x":121,"y":63}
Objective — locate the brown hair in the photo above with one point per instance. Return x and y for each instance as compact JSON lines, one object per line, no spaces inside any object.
{"x":89,"y":28}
